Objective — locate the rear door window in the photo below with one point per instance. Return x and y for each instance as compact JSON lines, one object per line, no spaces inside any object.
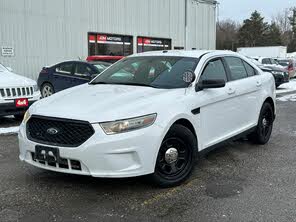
{"x":82,"y":70}
{"x":236,"y":67}
{"x":65,"y":68}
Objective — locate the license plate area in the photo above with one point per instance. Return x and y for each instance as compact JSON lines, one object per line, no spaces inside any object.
{"x":21,"y":103}
{"x":50,"y":155}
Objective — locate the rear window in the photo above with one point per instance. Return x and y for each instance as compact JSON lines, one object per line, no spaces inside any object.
{"x":266,"y":61}
{"x":250,"y":70}
{"x":237,"y":68}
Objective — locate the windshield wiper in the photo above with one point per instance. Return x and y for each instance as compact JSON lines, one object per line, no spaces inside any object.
{"x":95,"y":83}
{"x":134,"y":84}
{"x":124,"y":83}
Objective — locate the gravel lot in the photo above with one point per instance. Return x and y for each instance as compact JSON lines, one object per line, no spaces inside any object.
{"x":238,"y":182}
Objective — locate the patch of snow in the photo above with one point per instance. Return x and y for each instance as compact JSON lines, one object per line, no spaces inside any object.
{"x":9,"y":130}
{"x":286,"y":98}
{"x":287,"y":87}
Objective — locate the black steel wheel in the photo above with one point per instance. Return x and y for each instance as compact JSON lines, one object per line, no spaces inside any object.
{"x":175,"y":158}
{"x":265,"y":125}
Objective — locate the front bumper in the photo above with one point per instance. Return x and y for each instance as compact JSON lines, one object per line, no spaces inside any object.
{"x":9,"y":108}
{"x":122,"y":155}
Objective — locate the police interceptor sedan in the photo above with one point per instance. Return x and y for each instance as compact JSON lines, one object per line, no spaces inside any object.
{"x":150,"y":114}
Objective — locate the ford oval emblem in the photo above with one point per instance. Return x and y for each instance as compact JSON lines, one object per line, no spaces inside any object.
{"x":52,"y":131}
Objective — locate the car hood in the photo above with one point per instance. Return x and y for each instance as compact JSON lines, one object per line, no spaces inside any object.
{"x":101,"y":103}
{"x":9,"y":79}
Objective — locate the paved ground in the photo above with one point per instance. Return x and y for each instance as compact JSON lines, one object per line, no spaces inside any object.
{"x":238,"y":182}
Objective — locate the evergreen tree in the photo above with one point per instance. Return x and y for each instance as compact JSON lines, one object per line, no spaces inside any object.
{"x":253,"y":31}
{"x":273,"y":36}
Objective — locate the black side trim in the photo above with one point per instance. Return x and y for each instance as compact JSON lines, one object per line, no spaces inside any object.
{"x":219,"y":145}
{"x":195,"y":111}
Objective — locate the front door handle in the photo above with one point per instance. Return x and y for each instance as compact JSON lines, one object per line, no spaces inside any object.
{"x":231,"y":91}
{"x":258,"y":83}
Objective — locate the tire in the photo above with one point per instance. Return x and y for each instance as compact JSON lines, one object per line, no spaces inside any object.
{"x":47,"y":90}
{"x":265,"y":124}
{"x":171,"y":170}
{"x":19,"y":116}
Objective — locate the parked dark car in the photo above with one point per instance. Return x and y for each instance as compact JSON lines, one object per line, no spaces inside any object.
{"x":68,"y":74}
{"x":280,"y":75}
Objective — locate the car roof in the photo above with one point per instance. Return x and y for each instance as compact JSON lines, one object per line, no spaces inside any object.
{"x":184,"y":53}
{"x":103,"y":58}
{"x":99,"y":62}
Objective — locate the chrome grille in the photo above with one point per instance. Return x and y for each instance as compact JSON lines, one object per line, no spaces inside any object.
{"x":16,"y":92}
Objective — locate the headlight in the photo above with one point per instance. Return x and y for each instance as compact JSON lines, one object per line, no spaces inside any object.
{"x":126,"y":125}
{"x":35,"y":87}
{"x":26,"y":117}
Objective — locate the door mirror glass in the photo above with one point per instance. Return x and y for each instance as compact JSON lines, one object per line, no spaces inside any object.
{"x":210,"y":84}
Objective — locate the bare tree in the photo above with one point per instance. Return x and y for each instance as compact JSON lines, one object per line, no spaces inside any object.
{"x":227,"y":34}
{"x":282,"y":20}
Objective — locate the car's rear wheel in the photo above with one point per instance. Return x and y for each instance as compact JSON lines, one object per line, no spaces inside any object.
{"x":265,"y":124}
{"x":175,"y":160}
{"x":47,"y":90}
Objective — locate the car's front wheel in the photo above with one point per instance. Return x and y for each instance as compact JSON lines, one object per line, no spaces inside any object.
{"x":175,"y":160}
{"x":47,"y":90}
{"x":265,"y":124}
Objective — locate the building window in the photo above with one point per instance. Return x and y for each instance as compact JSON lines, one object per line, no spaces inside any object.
{"x":109,"y":44}
{"x":153,"y":44}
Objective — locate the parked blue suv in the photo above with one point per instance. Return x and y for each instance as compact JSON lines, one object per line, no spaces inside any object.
{"x":68,"y":74}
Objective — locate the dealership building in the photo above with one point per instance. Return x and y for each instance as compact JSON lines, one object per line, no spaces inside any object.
{"x":36,"y":33}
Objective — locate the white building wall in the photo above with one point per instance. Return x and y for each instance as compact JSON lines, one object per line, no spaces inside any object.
{"x":43,"y":32}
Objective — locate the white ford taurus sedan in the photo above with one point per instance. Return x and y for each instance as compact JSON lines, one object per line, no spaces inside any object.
{"x":150,"y":113}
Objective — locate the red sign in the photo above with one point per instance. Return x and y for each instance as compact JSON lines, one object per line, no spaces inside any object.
{"x":91,"y":38}
{"x":102,"y":38}
{"x":21,"y":103}
{"x":147,"y":41}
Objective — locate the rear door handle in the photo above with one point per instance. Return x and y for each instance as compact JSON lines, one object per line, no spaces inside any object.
{"x":231,"y":91}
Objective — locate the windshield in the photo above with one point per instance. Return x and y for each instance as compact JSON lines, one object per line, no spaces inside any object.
{"x":2,"y":68}
{"x":273,"y":62}
{"x":154,"y":71}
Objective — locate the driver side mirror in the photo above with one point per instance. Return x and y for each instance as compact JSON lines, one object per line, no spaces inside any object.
{"x":210,"y":84}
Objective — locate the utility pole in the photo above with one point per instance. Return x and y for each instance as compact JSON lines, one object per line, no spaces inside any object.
{"x":185,"y":26}
{"x":293,"y":22}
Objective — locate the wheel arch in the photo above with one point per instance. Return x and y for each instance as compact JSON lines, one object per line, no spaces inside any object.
{"x":271,"y":102}
{"x":187,"y":124}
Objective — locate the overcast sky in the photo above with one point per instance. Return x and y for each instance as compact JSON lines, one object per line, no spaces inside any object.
{"x":241,"y":9}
